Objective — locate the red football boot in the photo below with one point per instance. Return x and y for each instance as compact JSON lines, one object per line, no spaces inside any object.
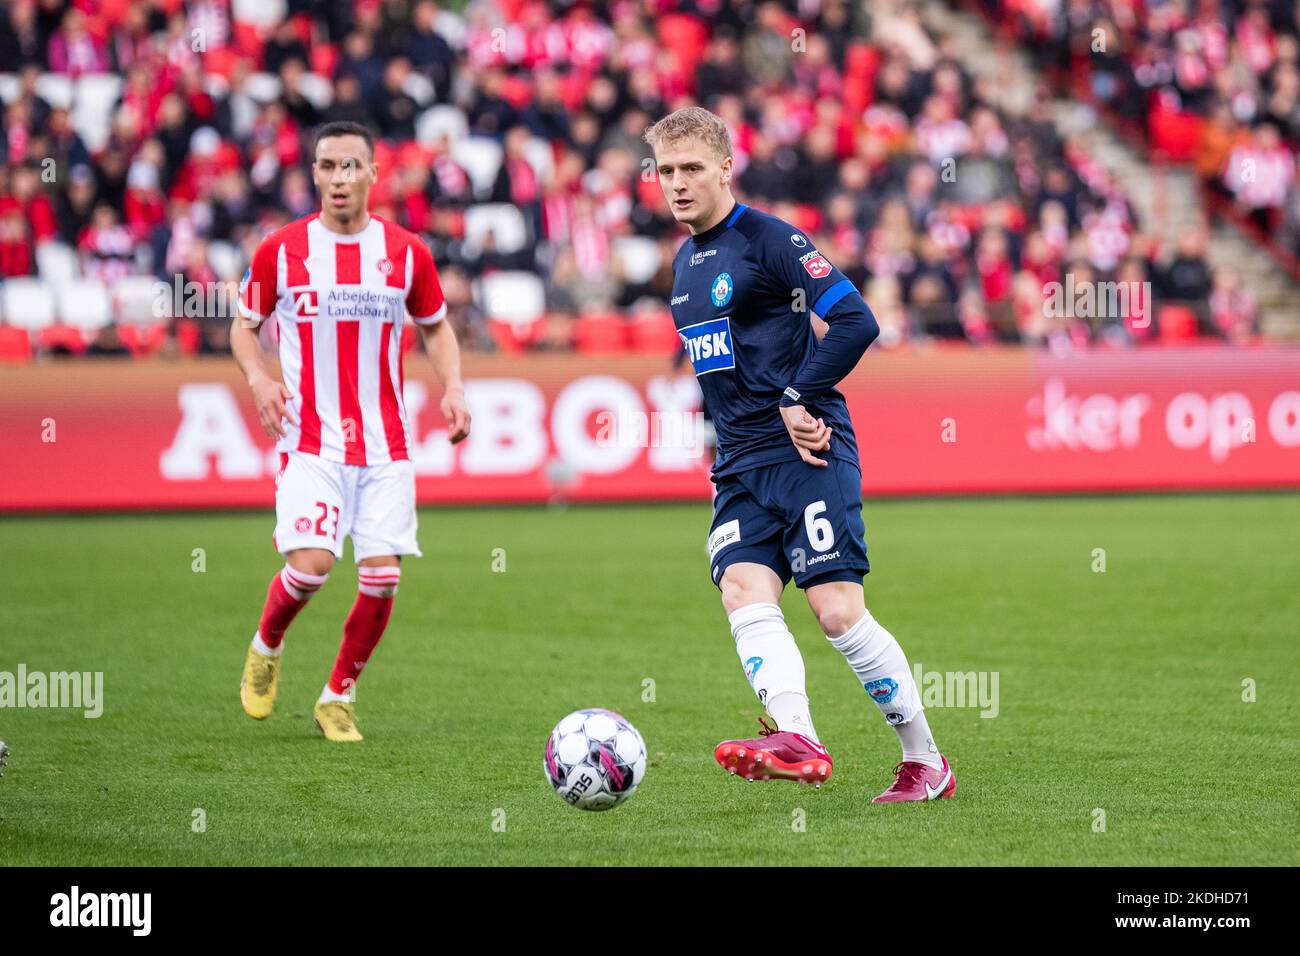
{"x":917,"y":782}
{"x":775,"y":755}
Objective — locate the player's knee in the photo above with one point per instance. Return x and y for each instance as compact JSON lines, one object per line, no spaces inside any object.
{"x":836,"y":615}
{"x":738,"y":591}
{"x":310,"y":560}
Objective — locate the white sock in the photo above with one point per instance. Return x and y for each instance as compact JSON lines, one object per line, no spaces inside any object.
{"x":260,"y":646}
{"x":328,"y":696}
{"x":881,"y":667}
{"x":773,"y":665}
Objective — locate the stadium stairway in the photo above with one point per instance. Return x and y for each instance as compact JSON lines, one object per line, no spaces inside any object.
{"x":1164,"y":195}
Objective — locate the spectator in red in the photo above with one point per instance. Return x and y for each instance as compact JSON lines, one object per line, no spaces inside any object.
{"x":107,"y":248}
{"x":42,"y":223}
{"x":1261,"y":174}
{"x":145,"y":204}
{"x":15,"y":243}
{"x":1232,"y":306}
{"x":73,"y":50}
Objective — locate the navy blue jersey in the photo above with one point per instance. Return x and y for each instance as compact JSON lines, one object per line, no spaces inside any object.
{"x":742,"y":294}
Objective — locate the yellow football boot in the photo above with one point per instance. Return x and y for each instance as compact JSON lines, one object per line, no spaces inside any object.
{"x":337,"y":721}
{"x":259,"y":684}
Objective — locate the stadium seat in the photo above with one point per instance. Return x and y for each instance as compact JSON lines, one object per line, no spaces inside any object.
{"x":481,"y":159}
{"x":324,"y":58}
{"x":439,"y":121}
{"x":28,"y":304}
{"x":142,"y":341}
{"x":133,"y":300}
{"x":503,"y":220}
{"x":57,"y":263}
{"x":61,"y":338}
{"x":514,"y":338}
{"x":15,"y":345}
{"x":257,"y":13}
{"x":419,"y":88}
{"x":189,"y":336}
{"x":515,"y":297}
{"x":317,"y":89}
{"x":94,"y":96}
{"x":654,"y":334}
{"x":83,"y":304}
{"x":541,"y":157}
{"x":1177,"y":324}
{"x":226,"y":260}
{"x":263,"y":87}
{"x":55,"y":89}
{"x":639,"y":257}
{"x":601,"y":334}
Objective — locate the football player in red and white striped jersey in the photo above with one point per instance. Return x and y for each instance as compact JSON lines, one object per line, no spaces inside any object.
{"x":339,"y":285}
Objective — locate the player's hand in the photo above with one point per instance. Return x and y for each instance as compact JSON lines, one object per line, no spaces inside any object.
{"x":808,"y":434}
{"x":456,"y":412}
{"x":272,"y":401}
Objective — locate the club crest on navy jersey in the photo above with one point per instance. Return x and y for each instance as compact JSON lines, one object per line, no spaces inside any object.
{"x":722,"y":289}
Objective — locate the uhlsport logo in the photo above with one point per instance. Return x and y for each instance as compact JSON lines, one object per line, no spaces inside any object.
{"x":722,"y":289}
{"x":75,"y":908}
{"x":708,"y":345}
{"x":882,"y":691}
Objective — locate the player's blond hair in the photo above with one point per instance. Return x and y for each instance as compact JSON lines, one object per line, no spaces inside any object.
{"x":691,"y":122}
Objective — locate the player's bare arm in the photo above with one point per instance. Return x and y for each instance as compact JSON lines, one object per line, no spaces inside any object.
{"x":270,"y":397}
{"x":444,"y":353}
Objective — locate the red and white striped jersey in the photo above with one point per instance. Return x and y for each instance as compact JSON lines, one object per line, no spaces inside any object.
{"x":340,"y":303}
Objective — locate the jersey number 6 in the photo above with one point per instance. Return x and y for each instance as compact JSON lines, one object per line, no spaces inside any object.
{"x":820,"y":533}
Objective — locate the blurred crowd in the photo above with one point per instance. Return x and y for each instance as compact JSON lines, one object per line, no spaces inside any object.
{"x":164,"y":139}
{"x":1216,"y":82}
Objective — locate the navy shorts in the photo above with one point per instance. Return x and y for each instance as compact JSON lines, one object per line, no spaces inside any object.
{"x":801,"y":521}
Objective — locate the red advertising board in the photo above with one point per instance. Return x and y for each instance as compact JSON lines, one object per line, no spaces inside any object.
{"x":183,"y":435}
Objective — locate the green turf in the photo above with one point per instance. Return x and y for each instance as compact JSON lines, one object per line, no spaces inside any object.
{"x":1119,"y":691}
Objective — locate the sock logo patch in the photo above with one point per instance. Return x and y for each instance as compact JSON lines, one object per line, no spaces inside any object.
{"x":751,"y":668}
{"x":882,"y":691}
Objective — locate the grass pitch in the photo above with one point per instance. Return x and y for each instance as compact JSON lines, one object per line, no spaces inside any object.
{"x":1120,"y":692}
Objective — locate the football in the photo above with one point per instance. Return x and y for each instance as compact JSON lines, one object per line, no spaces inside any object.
{"x":594,"y":759}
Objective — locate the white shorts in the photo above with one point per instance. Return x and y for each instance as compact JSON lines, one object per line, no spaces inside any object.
{"x":318,"y":503}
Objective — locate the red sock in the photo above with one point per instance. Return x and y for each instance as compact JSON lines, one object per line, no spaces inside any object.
{"x":365,"y":624}
{"x":289,"y":592}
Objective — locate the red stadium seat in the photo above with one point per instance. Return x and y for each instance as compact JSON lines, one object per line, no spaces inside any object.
{"x":685,"y":35}
{"x":15,"y":344}
{"x":189,"y":336}
{"x":142,"y":340}
{"x":654,"y":334}
{"x":513,"y":338}
{"x":861,"y":60}
{"x":601,"y":334}
{"x":324,"y":57}
{"x":1177,"y":324}
{"x":61,"y":337}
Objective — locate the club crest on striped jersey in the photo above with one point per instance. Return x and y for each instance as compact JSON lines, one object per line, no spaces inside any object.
{"x":385,"y":266}
{"x":708,"y":345}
